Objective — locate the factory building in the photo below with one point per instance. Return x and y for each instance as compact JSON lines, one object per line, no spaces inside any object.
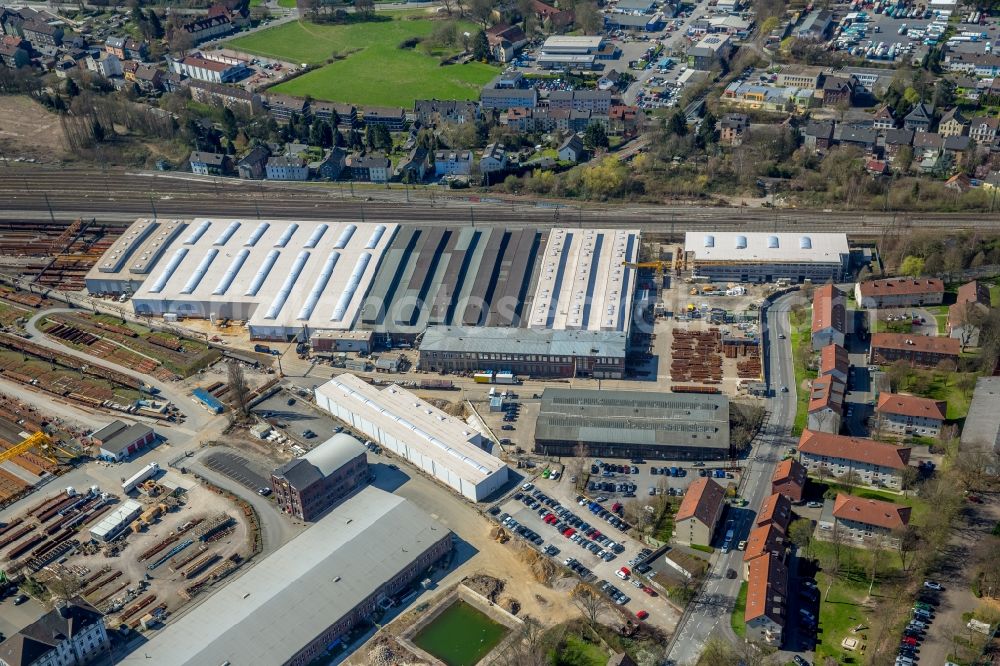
{"x":585,"y":282}
{"x":633,"y":424}
{"x":113,"y":523}
{"x":763,"y":257}
{"x":463,"y":276}
{"x":524,"y":351}
{"x":127,"y":263}
{"x":306,"y":487}
{"x":119,"y":440}
{"x":310,"y":593}
{"x":285,"y":279}
{"x":441,"y":445}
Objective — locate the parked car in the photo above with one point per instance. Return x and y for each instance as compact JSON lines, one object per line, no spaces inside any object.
{"x":933,"y":585}
{"x":20,"y":599}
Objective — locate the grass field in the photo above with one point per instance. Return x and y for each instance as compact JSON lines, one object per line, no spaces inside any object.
{"x":373,"y":69}
{"x":737,"y":619}
{"x":801,"y":337}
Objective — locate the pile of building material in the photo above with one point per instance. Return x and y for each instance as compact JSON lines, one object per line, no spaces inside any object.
{"x":695,"y":356}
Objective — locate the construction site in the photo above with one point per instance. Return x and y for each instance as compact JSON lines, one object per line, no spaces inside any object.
{"x":135,"y":559}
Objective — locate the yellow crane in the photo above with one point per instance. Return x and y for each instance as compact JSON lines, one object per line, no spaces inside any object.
{"x":658,"y":265}
{"x":38,"y":440}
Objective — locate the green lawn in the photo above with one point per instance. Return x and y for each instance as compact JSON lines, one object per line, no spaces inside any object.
{"x":939,"y":386}
{"x":578,"y":652}
{"x":736,"y":620}
{"x":919,"y":507}
{"x":801,"y":337}
{"x":995,"y":294}
{"x":287,"y":4}
{"x":373,"y":69}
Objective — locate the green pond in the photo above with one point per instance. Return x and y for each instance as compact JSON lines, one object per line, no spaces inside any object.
{"x":461,"y":635}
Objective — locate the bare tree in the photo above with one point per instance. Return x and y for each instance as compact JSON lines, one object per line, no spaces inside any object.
{"x":589,"y":601}
{"x":238,"y":389}
{"x":907,"y":541}
{"x":875,"y":546}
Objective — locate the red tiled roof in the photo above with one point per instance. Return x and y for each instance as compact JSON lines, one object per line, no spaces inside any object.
{"x":911,"y":405}
{"x":854,"y":448}
{"x":767,"y":589}
{"x":828,"y":309}
{"x":776,"y":509}
{"x":789,"y":470}
{"x":826,"y":392}
{"x":871,"y":512}
{"x":908,"y":286}
{"x":833,"y":358}
{"x":916,"y":343}
{"x":702,"y":501}
{"x":764,"y":539}
{"x":974,"y":292}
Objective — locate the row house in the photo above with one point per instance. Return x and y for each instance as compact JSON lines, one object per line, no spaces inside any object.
{"x":826,"y":404}
{"x":972,"y":304}
{"x":980,"y":65}
{"x":374,"y":167}
{"x":345,"y":114}
{"x":699,"y":513}
{"x":873,"y":463}
{"x":392,"y":117}
{"x":899,"y":293}
{"x":283,"y":107}
{"x":829,"y":317}
{"x":434,"y":112}
{"x":207,"y":28}
{"x":453,"y":163}
{"x":597,"y":101}
{"x":920,"y":351}
{"x":126,"y":48}
{"x":766,"y":611}
{"x":789,"y":479}
{"x":860,"y":521}
{"x":763,"y":540}
{"x":900,"y":414}
{"x":230,"y":97}
{"x":834,"y":362}
{"x":775,"y":510}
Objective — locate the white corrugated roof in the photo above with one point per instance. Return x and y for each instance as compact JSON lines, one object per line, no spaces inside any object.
{"x":766,"y":247}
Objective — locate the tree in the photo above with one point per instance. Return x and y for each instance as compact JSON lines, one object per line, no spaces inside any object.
{"x":156,"y":27}
{"x":677,"y":123}
{"x":589,"y":601}
{"x":365,"y":8}
{"x":800,"y":532}
{"x":907,"y":541}
{"x":239,"y":390}
{"x":588,"y":17}
{"x":481,"y":47}
{"x":72,"y":89}
{"x":706,"y":130}
{"x":912,"y":266}
{"x":595,"y":137}
{"x":875,"y":545}
{"x":481,"y":11}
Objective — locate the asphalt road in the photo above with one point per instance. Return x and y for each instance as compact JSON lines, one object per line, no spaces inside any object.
{"x":708,"y":614}
{"x":43,"y":193}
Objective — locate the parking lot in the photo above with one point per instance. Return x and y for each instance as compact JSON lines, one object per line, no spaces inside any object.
{"x":294,"y":415}
{"x":238,"y":469}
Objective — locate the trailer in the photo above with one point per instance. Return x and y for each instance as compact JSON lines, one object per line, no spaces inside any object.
{"x":146,"y":472}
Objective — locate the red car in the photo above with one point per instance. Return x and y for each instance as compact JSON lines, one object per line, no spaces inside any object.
{"x":569,"y":532}
{"x":910,"y":640}
{"x":648,"y":590}
{"x":642,"y":615}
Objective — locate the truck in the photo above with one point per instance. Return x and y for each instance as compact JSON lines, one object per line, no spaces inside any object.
{"x":146,"y":472}
{"x":491,"y":377}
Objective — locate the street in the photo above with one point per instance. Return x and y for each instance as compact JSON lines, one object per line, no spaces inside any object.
{"x":708,"y":614}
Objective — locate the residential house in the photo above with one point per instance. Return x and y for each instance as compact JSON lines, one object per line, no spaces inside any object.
{"x":41,"y":34}
{"x":919,"y":350}
{"x":283,"y":107}
{"x":71,"y":634}
{"x":920,"y":119}
{"x":900,"y":414}
{"x":862,"y":521}
{"x":816,"y":25}
{"x":884,"y":119}
{"x":789,"y":479}
{"x":393,"y":117}
{"x":864,"y":138}
{"x":505,"y":41}
{"x":834,"y":362}
{"x":281,"y":167}
{"x":374,"y":167}
{"x":508,"y":90}
{"x":609,"y":81}
{"x":981,"y":432}
{"x":493,"y":160}
{"x":330,"y":166}
{"x":799,"y":76}
{"x":984,"y":130}
{"x":230,"y":97}
{"x":346,"y":114}
{"x":867,"y":462}
{"x":253,"y":165}
{"x":572,"y":150}
{"x":105,"y":64}
{"x":710,"y":52}
{"x":776,"y":510}
{"x":829,"y":317}
{"x":763,"y":540}
{"x":818,"y":134}
{"x":14,"y":52}
{"x":953,"y":123}
{"x":434,"y":112}
{"x":973,"y":303}
{"x":960,"y":183}
{"x":625,"y":120}
{"x":699,"y":513}
{"x":213,"y":71}
{"x":767,"y":602}
{"x":893,"y":140}
{"x":126,"y":48}
{"x":826,"y":404}
{"x":598,"y":101}
{"x":899,"y":292}
{"x":547,"y":15}
{"x":838,"y":90}
{"x":453,"y":163}
{"x":413,"y":169}
{"x":145,"y":75}
{"x":237,"y":11}
{"x":209,"y":27}
{"x":733,"y":127}
{"x":207,"y":164}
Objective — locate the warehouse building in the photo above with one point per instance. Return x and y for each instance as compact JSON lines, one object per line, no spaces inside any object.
{"x":633,"y":424}
{"x":119,"y":440}
{"x":763,"y":257}
{"x":585,"y":282}
{"x":306,"y":487}
{"x":464,"y":276}
{"x":524,"y":351}
{"x":308,"y":595}
{"x":286,"y":279}
{"x":127,"y":263}
{"x":441,"y":445}
{"x":113,"y":523}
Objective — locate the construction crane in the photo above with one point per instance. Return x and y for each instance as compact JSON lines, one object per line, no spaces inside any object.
{"x":38,"y":440}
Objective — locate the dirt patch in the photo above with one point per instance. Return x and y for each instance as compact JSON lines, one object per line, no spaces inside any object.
{"x":30,"y":131}
{"x":486,"y":586}
{"x":386,"y":651}
{"x":511,"y":605}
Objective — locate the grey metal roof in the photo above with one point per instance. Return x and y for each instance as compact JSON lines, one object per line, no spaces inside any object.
{"x":280,"y":605}
{"x":982,"y":425}
{"x":634,"y":417}
{"x":524,"y":341}
{"x":110,"y":430}
{"x":322,"y":461}
{"x":126,"y":436}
